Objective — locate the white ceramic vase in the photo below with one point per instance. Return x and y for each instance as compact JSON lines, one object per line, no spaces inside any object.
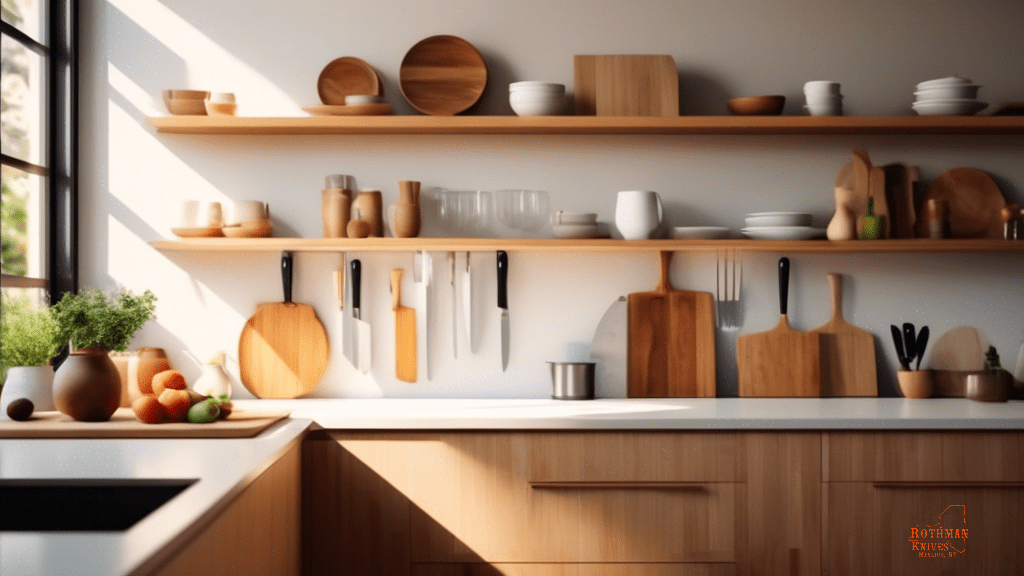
{"x":32,"y":382}
{"x":638,"y":214}
{"x":214,"y":380}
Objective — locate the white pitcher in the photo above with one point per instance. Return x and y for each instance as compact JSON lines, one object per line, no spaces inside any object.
{"x":638,"y":214}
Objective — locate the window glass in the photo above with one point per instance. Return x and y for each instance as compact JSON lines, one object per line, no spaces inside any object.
{"x":22,"y":78}
{"x":23,"y":223}
{"x":28,"y":16}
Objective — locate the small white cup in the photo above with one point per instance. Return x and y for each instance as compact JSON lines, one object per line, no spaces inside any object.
{"x":821,"y":87}
{"x":199,"y":214}
{"x":245,"y":210}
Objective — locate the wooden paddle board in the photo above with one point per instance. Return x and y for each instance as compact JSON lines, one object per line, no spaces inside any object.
{"x":283,"y":350}
{"x":671,"y":341}
{"x":405,"y":331}
{"x":781,"y":362}
{"x":847,"y":352}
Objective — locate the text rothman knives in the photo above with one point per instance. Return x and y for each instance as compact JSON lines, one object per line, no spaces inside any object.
{"x":503,"y":305}
{"x":455,"y":304}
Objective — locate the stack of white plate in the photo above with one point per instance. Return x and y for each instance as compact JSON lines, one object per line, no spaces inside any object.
{"x":781,"y":226}
{"x":952,"y":96}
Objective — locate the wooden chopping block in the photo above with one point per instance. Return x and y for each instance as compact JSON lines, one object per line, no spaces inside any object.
{"x":847,"y":352}
{"x":625,"y":85}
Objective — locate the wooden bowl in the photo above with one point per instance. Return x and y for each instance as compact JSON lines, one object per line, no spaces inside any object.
{"x":915,"y":383}
{"x":443,"y":75}
{"x":757,"y":105}
{"x":179,"y":107}
{"x":250,"y":229}
{"x":344,"y":76}
{"x":220,"y":108}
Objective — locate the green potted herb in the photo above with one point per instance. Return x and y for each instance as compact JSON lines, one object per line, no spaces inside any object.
{"x":87,"y":385}
{"x":29,"y":339}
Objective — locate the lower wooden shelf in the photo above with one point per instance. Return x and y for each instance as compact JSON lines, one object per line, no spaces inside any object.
{"x":604,"y":245}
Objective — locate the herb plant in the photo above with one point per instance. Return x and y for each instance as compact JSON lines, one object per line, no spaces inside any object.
{"x":28,"y":335}
{"x":93,"y":319}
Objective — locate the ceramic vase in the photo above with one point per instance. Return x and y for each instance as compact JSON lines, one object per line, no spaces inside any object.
{"x":915,"y":383}
{"x":844,"y":222}
{"x":214,"y":381}
{"x":32,"y":382}
{"x":145,"y":364}
{"x":87,"y":386}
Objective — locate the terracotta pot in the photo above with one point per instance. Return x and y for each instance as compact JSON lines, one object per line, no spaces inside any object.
{"x":146,"y":363}
{"x":915,"y":383}
{"x":87,"y":386}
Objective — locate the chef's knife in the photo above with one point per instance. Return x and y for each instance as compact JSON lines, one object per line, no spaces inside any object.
{"x":897,"y":340}
{"x":503,"y":306}
{"x":455,"y":305}
{"x":361,"y":328}
{"x":467,"y":304}
{"x":423,"y":274}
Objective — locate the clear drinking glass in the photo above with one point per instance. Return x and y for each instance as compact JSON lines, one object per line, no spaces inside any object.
{"x":524,"y":210}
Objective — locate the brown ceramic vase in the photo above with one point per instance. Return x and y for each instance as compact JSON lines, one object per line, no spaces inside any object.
{"x":87,"y":386}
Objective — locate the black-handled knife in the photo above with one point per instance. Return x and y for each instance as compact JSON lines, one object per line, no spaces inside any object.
{"x":783,"y":284}
{"x":355,"y":276}
{"x":922,"y":343}
{"x":503,"y":306}
{"x":286,"y":276}
{"x":909,"y":342}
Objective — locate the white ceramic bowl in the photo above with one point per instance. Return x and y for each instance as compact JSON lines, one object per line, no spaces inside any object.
{"x":783,"y":233}
{"x":826,"y":109}
{"x":359,"y":99}
{"x":239,"y":211}
{"x":576,"y":230}
{"x":528,"y":103}
{"x":562,"y":217}
{"x":699,"y":232}
{"x":815,"y":87}
{"x":537,"y":87}
{"x":824,"y":99}
{"x":221,"y":97}
{"x":962,"y":91}
{"x":762,"y":219}
{"x":947,"y":81}
{"x":963,"y":107}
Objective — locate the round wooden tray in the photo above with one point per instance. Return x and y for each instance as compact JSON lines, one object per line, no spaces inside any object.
{"x":346,"y":76}
{"x":974,"y":203}
{"x":443,"y":75}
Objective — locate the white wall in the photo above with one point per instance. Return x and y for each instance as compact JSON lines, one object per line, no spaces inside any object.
{"x":270,"y":53}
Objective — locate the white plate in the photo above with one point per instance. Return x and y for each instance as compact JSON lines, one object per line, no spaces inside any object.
{"x":948,"y":107}
{"x":699,"y":232}
{"x":577,"y":230}
{"x":783,"y":232}
{"x":948,"y":81}
{"x":758,"y":219}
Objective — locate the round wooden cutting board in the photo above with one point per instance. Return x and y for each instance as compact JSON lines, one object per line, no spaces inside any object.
{"x":443,"y":75}
{"x":974,"y":203}
{"x":346,"y":76}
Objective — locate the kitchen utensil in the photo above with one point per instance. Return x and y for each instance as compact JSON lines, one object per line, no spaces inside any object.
{"x":915,"y":383}
{"x":467,"y":302}
{"x":781,"y":362}
{"x":283,"y":350}
{"x":361,"y":331}
{"x":671,"y":341}
{"x":464,"y":213}
{"x":960,"y":348}
{"x":989,"y":386}
{"x":638,"y":214}
{"x":455,"y":305}
{"x":699,"y":232}
{"x":947,"y":81}
{"x":340,"y":277}
{"x":909,"y":341}
{"x":847,"y":352}
{"x":405,"y":331}
{"x":124,"y":424}
{"x":404,"y":216}
{"x":442,"y":75}
{"x":776,"y":219}
{"x":757,"y":105}
{"x":728,"y":300}
{"x":379,"y":109}
{"x":344,"y":76}
{"x":572,"y":380}
{"x":922,"y":344}
{"x":423,"y":276}
{"x":503,"y":307}
{"x":974,"y":201}
{"x":824,"y":105}
{"x":897,"y":341}
{"x":625,"y":85}
{"x":609,"y":349}
{"x":783,"y":233}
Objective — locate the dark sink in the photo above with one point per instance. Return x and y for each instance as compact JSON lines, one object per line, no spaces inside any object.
{"x":77,"y":505}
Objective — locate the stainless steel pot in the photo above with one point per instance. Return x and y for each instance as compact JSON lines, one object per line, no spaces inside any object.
{"x":572,"y":380}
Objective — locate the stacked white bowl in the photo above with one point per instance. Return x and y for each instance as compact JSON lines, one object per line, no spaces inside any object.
{"x":537,"y":98}
{"x":952,"y":96}
{"x":823,"y":98}
{"x":780,"y":226}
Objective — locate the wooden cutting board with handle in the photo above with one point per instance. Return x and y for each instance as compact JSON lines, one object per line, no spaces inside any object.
{"x":671,"y":341}
{"x":405,"y":331}
{"x":625,"y":85}
{"x":283,"y":350}
{"x":847,"y":352}
{"x":781,"y":362}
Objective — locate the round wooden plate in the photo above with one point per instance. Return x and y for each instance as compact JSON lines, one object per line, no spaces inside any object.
{"x":382,"y":109}
{"x":974,"y":203}
{"x":344,"y":76}
{"x":442,"y":75}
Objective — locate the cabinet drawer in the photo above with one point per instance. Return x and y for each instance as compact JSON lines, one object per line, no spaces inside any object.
{"x":924,"y":456}
{"x":869,"y":528}
{"x":573,"y":570}
{"x":635,"y":456}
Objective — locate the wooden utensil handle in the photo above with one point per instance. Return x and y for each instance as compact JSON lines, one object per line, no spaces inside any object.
{"x":357,"y":280}
{"x":783,"y":284}
{"x":835,"y":287}
{"x":396,"y":288}
{"x":664,"y":284}
{"x":339,"y":285}
{"x":286,"y":276}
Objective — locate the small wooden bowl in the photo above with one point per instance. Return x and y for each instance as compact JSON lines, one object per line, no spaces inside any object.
{"x":757,"y":105}
{"x":915,"y":383}
{"x":249,"y":229}
{"x":220,"y":108}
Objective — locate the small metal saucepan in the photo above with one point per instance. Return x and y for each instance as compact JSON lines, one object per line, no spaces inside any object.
{"x":572,"y":380}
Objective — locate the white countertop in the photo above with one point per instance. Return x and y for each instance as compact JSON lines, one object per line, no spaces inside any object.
{"x":653,"y":414}
{"x":223,"y":468}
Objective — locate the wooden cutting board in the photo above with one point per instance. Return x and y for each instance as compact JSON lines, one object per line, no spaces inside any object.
{"x":405,"y":331}
{"x":671,"y":336}
{"x":847,"y":352}
{"x":899,"y":193}
{"x":123,"y":424}
{"x":961,"y":348}
{"x":442,"y":75}
{"x":975,"y":202}
{"x":626,"y":85}
{"x":781,"y":362}
{"x":347,"y":76}
{"x":283,"y":350}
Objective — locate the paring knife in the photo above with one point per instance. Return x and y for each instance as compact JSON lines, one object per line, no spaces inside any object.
{"x":467,"y":304}
{"x":346,"y":329}
{"x":423,"y":274}
{"x":503,"y":306}
{"x":360,"y":329}
{"x":455,"y":305}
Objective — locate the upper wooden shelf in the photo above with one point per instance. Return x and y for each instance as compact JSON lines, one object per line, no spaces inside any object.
{"x":591,"y":125}
{"x":576,"y":246}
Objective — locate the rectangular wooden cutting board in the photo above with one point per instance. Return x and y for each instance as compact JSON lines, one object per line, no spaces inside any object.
{"x":123,"y":424}
{"x":625,"y":85}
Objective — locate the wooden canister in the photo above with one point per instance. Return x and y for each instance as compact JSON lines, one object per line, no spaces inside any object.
{"x":370,"y":205}
{"x":336,"y":204}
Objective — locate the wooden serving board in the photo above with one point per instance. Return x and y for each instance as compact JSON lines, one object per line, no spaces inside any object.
{"x":123,"y":424}
{"x":847,"y":352}
{"x":625,"y":85}
{"x":975,"y":202}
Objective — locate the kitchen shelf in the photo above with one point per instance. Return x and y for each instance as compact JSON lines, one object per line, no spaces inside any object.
{"x":597,"y":245}
{"x":590,"y":125}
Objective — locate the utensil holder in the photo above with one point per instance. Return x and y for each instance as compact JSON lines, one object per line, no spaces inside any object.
{"x":915,"y":383}
{"x":572,"y":380}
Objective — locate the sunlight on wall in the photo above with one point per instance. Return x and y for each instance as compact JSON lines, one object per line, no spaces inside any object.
{"x":147,"y":104}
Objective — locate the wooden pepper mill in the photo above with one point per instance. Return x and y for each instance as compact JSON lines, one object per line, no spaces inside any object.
{"x":405,"y":215}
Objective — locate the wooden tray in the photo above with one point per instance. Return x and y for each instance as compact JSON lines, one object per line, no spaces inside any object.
{"x":241,"y":424}
{"x":442,"y":75}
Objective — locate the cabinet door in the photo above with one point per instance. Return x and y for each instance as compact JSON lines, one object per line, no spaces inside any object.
{"x":894,"y":528}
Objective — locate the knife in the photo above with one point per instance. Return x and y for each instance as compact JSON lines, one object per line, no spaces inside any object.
{"x":360,"y":330}
{"x":346,"y":330}
{"x":455,"y":305}
{"x":423,"y":274}
{"x":467,"y":304}
{"x":503,"y":305}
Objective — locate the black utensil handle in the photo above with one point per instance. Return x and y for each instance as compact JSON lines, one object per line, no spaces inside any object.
{"x":922,"y":343}
{"x":286,"y":276}
{"x":909,"y":341}
{"x":356,"y":273}
{"x":897,"y":340}
{"x":502,"y":279}
{"x":783,"y":284}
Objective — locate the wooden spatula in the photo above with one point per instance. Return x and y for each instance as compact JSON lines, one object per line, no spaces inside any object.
{"x":847,"y":352}
{"x":781,"y":362}
{"x":405,"y":331}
